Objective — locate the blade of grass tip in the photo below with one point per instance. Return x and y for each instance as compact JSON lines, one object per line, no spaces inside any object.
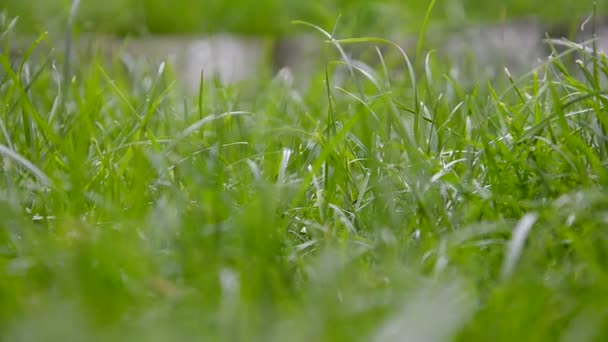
{"x":363,"y":103}
{"x":120,"y":94}
{"x":200,"y":123}
{"x":387,"y":84}
{"x":336,"y":42}
{"x":149,"y":106}
{"x":556,"y":58}
{"x":505,"y":115}
{"x":346,"y":58}
{"x":330,"y":108}
{"x":29,"y":111}
{"x":418,"y":52}
{"x":30,"y":50}
{"x":516,"y":244}
{"x":201,"y":94}
{"x":333,"y":29}
{"x":7,"y":137}
{"x":410,"y":67}
{"x":384,"y":67}
{"x":322,"y":159}
{"x":9,"y":28}
{"x":364,"y":70}
{"x":596,"y":72}
{"x":27,"y":124}
{"x":152,"y":109}
{"x":432,"y":118}
{"x":360,"y":40}
{"x":596,"y":69}
{"x":68,"y":46}
{"x":520,"y":95}
{"x":425,"y":25}
{"x":33,"y":169}
{"x":154,"y":104}
{"x":27,"y":87}
{"x":285,"y":155}
{"x":320,"y":194}
{"x":330,"y":126}
{"x":428,"y":70}
{"x":450,"y":116}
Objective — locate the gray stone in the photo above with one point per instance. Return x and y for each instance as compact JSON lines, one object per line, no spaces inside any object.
{"x":299,"y":55}
{"x":230,"y":58}
{"x":475,"y":53}
{"x":483,"y":52}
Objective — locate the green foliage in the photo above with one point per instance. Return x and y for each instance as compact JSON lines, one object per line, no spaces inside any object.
{"x":273,"y":17}
{"x":367,"y":207}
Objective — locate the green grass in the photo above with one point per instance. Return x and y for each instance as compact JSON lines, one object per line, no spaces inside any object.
{"x":374,"y":209}
{"x":273,"y":17}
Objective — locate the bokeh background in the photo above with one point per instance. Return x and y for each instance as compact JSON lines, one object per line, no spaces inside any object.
{"x":273,"y":17}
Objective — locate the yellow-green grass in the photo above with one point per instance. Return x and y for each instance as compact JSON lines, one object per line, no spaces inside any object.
{"x":367,"y":209}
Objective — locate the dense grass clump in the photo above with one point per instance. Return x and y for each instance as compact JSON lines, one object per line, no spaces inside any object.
{"x":369,"y":208}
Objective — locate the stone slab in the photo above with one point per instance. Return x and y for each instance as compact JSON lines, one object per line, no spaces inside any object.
{"x":484,"y":50}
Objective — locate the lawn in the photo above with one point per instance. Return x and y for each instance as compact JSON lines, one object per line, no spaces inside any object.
{"x":365,"y":208}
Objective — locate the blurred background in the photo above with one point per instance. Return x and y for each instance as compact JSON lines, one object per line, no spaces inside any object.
{"x":273,"y":17}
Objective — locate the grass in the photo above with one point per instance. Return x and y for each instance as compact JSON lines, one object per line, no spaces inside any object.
{"x":376,"y":208}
